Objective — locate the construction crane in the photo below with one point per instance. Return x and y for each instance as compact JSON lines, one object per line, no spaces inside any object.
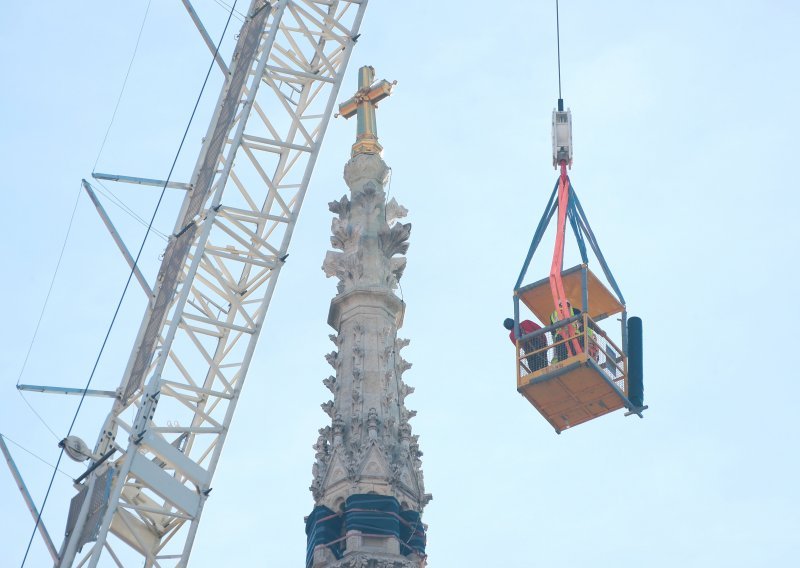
{"x":149,"y":474}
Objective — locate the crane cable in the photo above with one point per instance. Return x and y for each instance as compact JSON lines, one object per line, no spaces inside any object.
{"x":72,"y":218}
{"x":127,"y":283}
{"x":38,"y":457}
{"x":41,"y":314}
{"x":558,"y":50}
{"x":124,"y":84}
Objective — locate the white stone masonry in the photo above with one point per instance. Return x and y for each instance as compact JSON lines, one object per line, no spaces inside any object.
{"x":369,"y":447}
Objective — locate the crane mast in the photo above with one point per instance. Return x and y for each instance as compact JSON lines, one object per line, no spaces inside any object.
{"x":156,"y":454}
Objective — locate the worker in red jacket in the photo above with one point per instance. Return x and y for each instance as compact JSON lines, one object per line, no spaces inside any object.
{"x":536,"y":346}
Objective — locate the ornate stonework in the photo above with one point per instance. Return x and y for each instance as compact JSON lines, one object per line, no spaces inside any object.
{"x":373,"y":561}
{"x":368,"y":447}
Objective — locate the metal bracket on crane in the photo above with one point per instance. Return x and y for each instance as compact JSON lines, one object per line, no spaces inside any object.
{"x":142,"y":181}
{"x":68,"y":390}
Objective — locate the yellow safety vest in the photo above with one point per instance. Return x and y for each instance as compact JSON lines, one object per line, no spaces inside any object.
{"x":555,"y":317}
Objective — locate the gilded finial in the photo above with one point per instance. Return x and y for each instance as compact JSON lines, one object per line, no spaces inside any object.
{"x":363,"y":105}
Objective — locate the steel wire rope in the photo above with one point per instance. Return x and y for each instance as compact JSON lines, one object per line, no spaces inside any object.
{"x":128,"y":281}
{"x":110,"y":194}
{"x":39,"y":416}
{"x":41,"y":459}
{"x":106,"y":192}
{"x":396,"y":354}
{"x":44,"y":308}
{"x":124,"y":84}
{"x":225,"y":5}
{"x":558,"y":49}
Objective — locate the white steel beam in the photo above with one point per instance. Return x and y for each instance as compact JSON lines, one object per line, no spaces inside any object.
{"x":142,"y":181}
{"x":68,"y":390}
{"x":185,"y":373}
{"x":204,"y":34}
{"x":28,"y":499}
{"x":117,"y":239}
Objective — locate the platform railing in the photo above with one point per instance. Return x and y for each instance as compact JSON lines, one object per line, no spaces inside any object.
{"x":550,"y":349}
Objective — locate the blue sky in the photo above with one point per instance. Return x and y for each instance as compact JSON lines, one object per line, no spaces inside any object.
{"x":685,"y":126}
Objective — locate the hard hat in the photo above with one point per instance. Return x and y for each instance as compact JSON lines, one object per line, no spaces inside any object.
{"x":508,"y":323}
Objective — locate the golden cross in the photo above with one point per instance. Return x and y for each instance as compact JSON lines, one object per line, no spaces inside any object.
{"x":363,"y":104}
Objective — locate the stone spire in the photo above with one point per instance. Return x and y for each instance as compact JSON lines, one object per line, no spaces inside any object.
{"x":367,"y":479}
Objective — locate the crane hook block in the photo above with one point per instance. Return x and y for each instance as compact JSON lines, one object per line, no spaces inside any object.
{"x":562,"y":136}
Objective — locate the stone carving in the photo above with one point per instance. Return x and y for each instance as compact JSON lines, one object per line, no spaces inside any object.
{"x":355,"y":434}
{"x":332,"y":265}
{"x":395,"y":211}
{"x":347,"y":268}
{"x":406,"y":414}
{"x":364,"y":560}
{"x":360,"y":219}
{"x":322,"y":458}
{"x":401,"y":365}
{"x":387,"y":400}
{"x":405,"y":390}
{"x":341,"y":207}
{"x":338,"y":430}
{"x":369,"y":446}
{"x":352,"y":466}
{"x":405,"y":435}
{"x":372,"y":424}
{"x":330,"y":383}
{"x":331,"y":358}
{"x":396,"y":266}
{"x":344,"y":234}
{"x":395,"y":240}
{"x":365,"y":167}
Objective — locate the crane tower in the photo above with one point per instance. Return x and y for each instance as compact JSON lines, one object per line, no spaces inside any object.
{"x":155,"y":456}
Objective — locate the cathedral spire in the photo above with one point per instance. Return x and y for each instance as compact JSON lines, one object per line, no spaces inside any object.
{"x":367,"y":483}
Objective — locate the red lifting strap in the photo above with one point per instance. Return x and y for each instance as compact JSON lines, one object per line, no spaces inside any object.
{"x":556,"y":284}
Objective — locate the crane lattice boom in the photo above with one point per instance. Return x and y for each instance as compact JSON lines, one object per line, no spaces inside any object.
{"x":185,"y":373}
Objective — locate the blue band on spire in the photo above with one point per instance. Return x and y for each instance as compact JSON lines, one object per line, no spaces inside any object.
{"x":377,"y":515}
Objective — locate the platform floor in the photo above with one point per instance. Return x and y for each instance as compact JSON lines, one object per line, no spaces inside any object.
{"x":571,"y":392}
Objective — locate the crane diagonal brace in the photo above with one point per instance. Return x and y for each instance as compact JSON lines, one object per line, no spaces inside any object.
{"x":23,"y":489}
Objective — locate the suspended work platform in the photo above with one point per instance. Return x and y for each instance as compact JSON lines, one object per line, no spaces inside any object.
{"x":573,"y":370}
{"x":573,"y":380}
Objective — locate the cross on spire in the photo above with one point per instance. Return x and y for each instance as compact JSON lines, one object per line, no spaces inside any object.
{"x":363,"y":104}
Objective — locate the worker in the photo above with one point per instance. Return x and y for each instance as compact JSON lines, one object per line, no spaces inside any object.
{"x":560,"y":334}
{"x":536,"y":347}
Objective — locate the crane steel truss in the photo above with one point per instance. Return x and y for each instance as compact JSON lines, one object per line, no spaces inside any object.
{"x":185,"y":373}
